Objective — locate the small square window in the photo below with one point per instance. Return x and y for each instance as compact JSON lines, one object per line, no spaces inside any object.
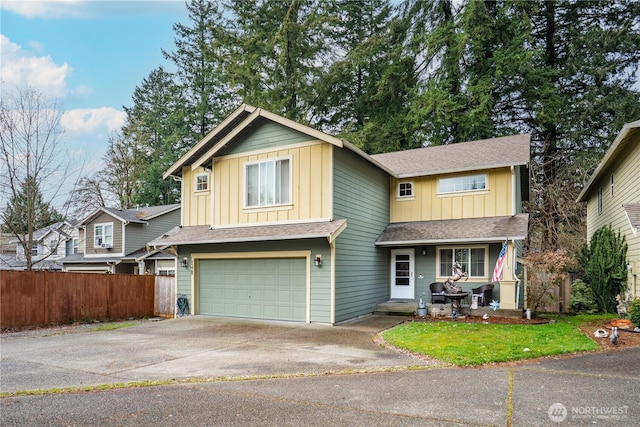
{"x":202,"y":182}
{"x":405,"y":189}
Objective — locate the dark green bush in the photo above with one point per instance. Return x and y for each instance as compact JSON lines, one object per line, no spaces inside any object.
{"x":582,"y":300}
{"x":634,"y":311}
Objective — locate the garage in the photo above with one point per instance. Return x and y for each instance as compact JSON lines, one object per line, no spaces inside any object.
{"x":263,"y":288}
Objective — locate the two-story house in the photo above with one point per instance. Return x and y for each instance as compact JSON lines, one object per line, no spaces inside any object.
{"x":50,"y":245}
{"x":115,"y":241}
{"x":612,"y":195}
{"x":281,"y":221}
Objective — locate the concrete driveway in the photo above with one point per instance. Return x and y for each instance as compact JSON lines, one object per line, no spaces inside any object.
{"x":188,"y":347}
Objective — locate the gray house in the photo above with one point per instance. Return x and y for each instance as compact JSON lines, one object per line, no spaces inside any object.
{"x":115,"y":241}
{"x":281,"y":221}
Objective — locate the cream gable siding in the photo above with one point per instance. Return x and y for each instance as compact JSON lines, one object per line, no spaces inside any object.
{"x":310,"y":165}
{"x":196,"y":205}
{"x":428,"y":205}
{"x":626,"y":175}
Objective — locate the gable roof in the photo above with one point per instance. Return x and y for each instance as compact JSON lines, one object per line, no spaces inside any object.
{"x":244,"y":117}
{"x":633,"y":214}
{"x":137,"y":215}
{"x":624,"y":138}
{"x":460,"y":157}
{"x":447,"y":231}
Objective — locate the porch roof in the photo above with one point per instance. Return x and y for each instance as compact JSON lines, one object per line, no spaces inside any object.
{"x":202,"y":234}
{"x":633,"y":213}
{"x":470,"y":230}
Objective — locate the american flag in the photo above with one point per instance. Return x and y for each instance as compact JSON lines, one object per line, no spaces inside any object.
{"x":497,"y":271}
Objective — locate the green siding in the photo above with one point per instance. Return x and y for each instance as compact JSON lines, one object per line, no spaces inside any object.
{"x":138,"y":235}
{"x":263,"y":135}
{"x":320,"y":276}
{"x":361,"y":195}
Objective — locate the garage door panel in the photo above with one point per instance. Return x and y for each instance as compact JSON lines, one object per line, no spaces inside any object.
{"x":270,"y":288}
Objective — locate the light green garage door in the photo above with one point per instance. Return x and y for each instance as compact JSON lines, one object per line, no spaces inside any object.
{"x":257,"y":288}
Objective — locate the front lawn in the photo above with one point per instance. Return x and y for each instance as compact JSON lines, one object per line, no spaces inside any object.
{"x":477,"y":343}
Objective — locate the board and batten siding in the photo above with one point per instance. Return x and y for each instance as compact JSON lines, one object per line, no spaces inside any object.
{"x":195,"y":204}
{"x":428,"y":205}
{"x":626,"y":189}
{"x":361,"y":195}
{"x":320,"y":277}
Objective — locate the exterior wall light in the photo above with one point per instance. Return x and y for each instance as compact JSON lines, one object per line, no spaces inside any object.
{"x":318,"y":260}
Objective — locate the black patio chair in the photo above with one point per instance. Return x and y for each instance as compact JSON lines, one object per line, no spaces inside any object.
{"x":437,"y":293}
{"x":484,"y":293}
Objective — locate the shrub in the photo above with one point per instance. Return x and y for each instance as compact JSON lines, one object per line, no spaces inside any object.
{"x":545,"y":273}
{"x":581,"y":300}
{"x":634,"y":312}
{"x":604,"y":266}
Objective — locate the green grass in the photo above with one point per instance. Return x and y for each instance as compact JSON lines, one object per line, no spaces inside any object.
{"x":476,"y":343}
{"x":112,"y":326}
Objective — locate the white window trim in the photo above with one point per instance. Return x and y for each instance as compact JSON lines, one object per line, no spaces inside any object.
{"x":103,"y":225}
{"x":479,"y":190}
{"x":409,"y":197}
{"x":599,"y":202}
{"x":477,"y":278}
{"x":611,"y":192}
{"x":195,"y":184}
{"x":245,"y":183}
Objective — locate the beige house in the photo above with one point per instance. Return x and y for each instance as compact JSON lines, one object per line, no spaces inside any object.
{"x":613,"y":196}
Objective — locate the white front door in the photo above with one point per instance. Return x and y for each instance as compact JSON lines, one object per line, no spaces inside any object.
{"x":402,"y":280}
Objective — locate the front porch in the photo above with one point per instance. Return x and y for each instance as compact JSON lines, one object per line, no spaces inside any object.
{"x":408,"y":307}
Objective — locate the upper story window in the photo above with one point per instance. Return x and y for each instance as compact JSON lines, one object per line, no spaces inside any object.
{"x":405,"y":189}
{"x":268,"y":183}
{"x":472,"y":260}
{"x":599,"y":200}
{"x":462,"y":183}
{"x":103,"y":235}
{"x":202,"y":182}
{"x":34,"y":249}
{"x":76,"y":245}
{"x":611,"y":186}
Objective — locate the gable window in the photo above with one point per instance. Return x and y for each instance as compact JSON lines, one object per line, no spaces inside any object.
{"x":103,"y":235}
{"x":76,"y":244}
{"x":34,"y":249}
{"x":462,"y":183}
{"x":599,"y":200}
{"x":472,"y":260}
{"x":202,"y":182}
{"x":267,"y":183}
{"x":611,"y":186}
{"x":405,"y":189}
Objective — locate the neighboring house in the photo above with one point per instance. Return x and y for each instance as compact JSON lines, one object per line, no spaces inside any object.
{"x":281,"y":221}
{"x":114,"y":241}
{"x":50,"y":245}
{"x":613,"y":196}
{"x":7,"y":251}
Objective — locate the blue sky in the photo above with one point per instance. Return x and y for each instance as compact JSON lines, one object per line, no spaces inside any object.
{"x":88,"y":56}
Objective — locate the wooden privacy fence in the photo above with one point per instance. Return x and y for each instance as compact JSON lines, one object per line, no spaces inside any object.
{"x":30,"y":298}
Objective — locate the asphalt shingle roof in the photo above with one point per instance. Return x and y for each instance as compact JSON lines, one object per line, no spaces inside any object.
{"x":633,"y":212}
{"x":460,"y":157}
{"x":204,"y":234}
{"x":491,"y":229}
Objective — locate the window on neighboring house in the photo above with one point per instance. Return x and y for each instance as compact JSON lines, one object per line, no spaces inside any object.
{"x":103,"y":235}
{"x":34,"y":249}
{"x":405,"y":189}
{"x":611,"y":186}
{"x":267,"y":183}
{"x":76,"y":245}
{"x":472,"y":260}
{"x":202,"y":182}
{"x":462,"y":183}
{"x":599,"y":200}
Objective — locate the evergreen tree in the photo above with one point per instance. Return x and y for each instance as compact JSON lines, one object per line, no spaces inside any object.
{"x":604,"y":267}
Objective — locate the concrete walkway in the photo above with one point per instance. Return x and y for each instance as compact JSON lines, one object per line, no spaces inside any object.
{"x":585,"y":389}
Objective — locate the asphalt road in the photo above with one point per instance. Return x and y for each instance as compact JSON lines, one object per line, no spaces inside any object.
{"x":348,"y":380}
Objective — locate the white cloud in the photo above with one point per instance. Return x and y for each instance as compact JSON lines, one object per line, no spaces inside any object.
{"x":53,"y":9}
{"x":19,"y":68}
{"x":92,"y":120}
